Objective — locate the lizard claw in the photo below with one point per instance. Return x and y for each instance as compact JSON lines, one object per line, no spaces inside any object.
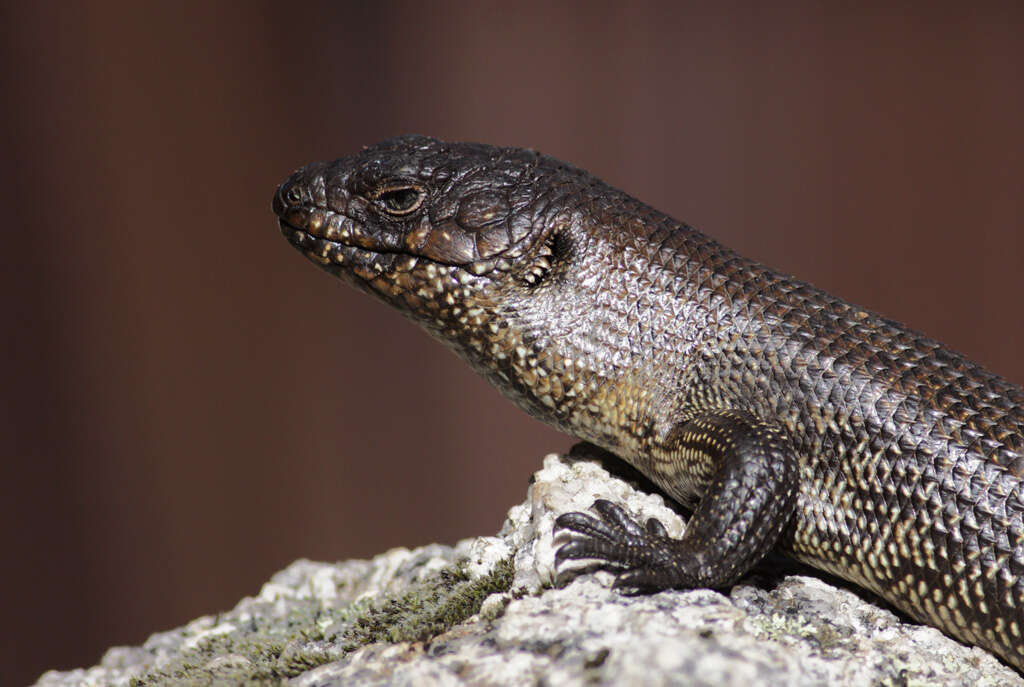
{"x":655,"y":527}
{"x":586,"y":525}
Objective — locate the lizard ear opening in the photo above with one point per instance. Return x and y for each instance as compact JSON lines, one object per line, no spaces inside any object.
{"x":539,"y":266}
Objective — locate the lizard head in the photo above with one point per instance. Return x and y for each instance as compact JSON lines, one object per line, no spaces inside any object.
{"x":510,"y":257}
{"x":426,"y":225}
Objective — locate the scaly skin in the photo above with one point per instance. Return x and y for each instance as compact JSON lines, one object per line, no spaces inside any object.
{"x":792,"y":418}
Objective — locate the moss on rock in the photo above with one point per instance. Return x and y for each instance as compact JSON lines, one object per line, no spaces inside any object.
{"x":269,"y":651}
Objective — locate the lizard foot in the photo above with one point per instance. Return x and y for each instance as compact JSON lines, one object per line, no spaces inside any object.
{"x":645,"y":558}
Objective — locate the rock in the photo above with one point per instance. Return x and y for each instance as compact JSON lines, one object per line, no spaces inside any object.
{"x":487,"y":611}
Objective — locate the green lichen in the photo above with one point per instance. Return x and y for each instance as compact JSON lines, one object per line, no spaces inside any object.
{"x":429,"y":609}
{"x":267,"y":652}
{"x":782,"y":626}
{"x":258,"y":651}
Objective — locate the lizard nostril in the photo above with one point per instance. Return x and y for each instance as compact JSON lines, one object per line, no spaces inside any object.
{"x":287,"y":195}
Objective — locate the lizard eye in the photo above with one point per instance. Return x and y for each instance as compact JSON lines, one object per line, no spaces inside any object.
{"x":400,"y":200}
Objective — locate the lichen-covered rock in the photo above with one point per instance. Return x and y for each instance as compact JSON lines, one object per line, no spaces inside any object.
{"x":488,"y":612}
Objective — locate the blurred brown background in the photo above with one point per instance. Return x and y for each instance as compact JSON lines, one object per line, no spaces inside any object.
{"x":190,"y":405}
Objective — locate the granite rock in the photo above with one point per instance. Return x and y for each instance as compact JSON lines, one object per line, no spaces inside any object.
{"x":491,"y":611}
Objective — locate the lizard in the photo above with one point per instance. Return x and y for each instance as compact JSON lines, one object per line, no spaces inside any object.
{"x":785,"y":417}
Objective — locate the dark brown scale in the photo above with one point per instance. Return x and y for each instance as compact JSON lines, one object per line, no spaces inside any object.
{"x":796,"y":419}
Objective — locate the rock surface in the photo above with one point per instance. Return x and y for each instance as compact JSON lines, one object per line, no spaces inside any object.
{"x":487,"y":612}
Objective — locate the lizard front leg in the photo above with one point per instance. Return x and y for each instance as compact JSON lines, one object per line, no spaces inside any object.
{"x":745,"y":472}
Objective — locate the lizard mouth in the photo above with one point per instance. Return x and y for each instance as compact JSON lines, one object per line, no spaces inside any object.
{"x":348,"y":251}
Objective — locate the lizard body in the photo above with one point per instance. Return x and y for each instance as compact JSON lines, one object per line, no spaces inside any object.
{"x":788,"y":417}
